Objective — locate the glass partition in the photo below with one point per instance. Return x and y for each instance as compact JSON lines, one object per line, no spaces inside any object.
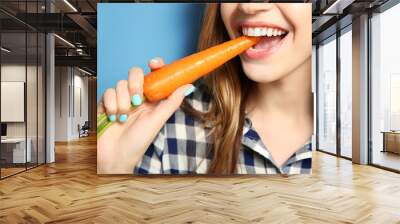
{"x":13,"y":109}
{"x":22,"y":63}
{"x":31,"y":97}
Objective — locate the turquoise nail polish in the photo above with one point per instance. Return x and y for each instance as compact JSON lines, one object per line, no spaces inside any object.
{"x":190,"y":90}
{"x":154,"y":61}
{"x":123,"y":118}
{"x":136,"y":100}
{"x":112,"y":118}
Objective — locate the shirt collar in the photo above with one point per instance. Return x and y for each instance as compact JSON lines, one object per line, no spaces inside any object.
{"x":253,"y":141}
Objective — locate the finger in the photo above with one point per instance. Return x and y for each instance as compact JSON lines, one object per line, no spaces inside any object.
{"x":156,"y":63}
{"x":135,"y":84}
{"x":167,"y":107}
{"x":123,"y":100}
{"x":100,"y":108}
{"x":110,"y":103}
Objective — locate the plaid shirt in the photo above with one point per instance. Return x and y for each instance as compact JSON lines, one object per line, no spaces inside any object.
{"x":182,"y":147}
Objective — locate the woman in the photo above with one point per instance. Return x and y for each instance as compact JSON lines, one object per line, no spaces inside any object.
{"x":253,"y":115}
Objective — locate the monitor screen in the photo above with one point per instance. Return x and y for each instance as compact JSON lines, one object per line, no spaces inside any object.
{"x":3,"y":129}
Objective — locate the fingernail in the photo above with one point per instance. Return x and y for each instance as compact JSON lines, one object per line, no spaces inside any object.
{"x":136,"y":100}
{"x":154,"y":61}
{"x":190,"y":90}
{"x":123,"y":118}
{"x":112,"y":118}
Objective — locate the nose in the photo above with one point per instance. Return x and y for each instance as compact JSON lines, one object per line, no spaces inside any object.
{"x":254,"y":8}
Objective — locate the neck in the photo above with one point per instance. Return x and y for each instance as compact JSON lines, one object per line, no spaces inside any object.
{"x":289,"y":96}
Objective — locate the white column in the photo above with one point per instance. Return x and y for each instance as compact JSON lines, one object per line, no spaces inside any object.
{"x":50,"y":92}
{"x":360,"y":90}
{"x":50,"y":100}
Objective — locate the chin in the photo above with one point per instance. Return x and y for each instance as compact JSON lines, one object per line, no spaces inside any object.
{"x":261,"y":73}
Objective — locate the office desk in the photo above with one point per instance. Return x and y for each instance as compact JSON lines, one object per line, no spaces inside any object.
{"x":16,"y":147}
{"x":391,"y":141}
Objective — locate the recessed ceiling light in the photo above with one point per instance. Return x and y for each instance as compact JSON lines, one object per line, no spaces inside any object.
{"x":70,"y":5}
{"x":5,"y":50}
{"x":84,"y":71}
{"x":65,"y":41}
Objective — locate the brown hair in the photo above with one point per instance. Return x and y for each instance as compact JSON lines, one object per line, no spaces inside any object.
{"x":228,"y":88}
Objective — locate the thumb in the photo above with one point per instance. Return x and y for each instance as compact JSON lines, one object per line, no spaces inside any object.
{"x":167,"y":107}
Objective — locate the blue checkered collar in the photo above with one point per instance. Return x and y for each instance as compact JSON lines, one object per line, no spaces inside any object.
{"x":253,"y":141}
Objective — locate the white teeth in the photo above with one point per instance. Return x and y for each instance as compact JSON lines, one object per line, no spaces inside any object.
{"x":245,"y":31}
{"x":262,"y":31}
{"x":269,"y":32}
{"x":251,"y":32}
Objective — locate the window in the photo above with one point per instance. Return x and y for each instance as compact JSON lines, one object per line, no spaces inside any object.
{"x":327,"y":96}
{"x":394,"y":102}
{"x":385,"y":89}
{"x":346,"y":92}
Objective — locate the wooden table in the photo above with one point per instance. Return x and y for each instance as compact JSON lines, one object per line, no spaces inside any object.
{"x":391,"y":141}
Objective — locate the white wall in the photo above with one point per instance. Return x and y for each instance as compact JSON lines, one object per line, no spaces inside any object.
{"x":9,"y":73}
{"x":12,"y":73}
{"x":61,"y":103}
{"x":70,"y":83}
{"x":80,"y":84}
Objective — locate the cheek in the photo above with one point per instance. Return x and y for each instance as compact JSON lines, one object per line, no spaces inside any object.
{"x":226,"y":11}
{"x":303,"y":37}
{"x":298,"y":15}
{"x":300,"y":18}
{"x":224,"y":14}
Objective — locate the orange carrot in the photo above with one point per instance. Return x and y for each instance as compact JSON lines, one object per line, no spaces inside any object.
{"x":161,"y":83}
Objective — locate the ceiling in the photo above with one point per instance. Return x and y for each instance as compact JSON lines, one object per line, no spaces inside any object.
{"x":329,"y":16}
{"x":72,"y":20}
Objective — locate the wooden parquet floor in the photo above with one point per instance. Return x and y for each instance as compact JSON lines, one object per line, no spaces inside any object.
{"x":70,"y":191}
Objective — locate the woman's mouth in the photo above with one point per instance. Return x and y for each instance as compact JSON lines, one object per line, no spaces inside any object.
{"x":271,"y":40}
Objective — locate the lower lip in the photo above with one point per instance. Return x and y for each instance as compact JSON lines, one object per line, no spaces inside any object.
{"x":252,"y":53}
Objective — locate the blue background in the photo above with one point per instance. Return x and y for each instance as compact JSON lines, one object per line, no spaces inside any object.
{"x":131,"y":34}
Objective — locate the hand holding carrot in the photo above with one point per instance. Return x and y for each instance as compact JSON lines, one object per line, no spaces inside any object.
{"x":163,"y":82}
{"x":123,"y":144}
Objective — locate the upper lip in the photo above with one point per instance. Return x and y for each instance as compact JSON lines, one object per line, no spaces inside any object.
{"x":259,"y":24}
